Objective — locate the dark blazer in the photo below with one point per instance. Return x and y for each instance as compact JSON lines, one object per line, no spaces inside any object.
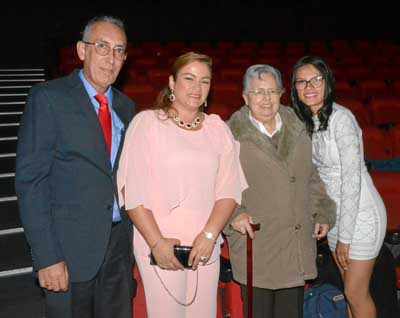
{"x":64,"y":180}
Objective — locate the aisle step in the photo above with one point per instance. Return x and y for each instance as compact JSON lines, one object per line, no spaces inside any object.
{"x":9,"y":130}
{"x":10,"y":117}
{"x":14,"y":252}
{"x":7,"y":163}
{"x":9,"y":215}
{"x":7,"y":188}
{"x":8,"y":144}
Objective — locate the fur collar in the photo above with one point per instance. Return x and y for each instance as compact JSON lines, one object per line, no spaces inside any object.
{"x":244,"y":131}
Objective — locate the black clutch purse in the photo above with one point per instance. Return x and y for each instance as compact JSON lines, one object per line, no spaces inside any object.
{"x":181,"y":253}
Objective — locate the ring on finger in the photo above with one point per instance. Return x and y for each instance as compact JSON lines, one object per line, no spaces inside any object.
{"x":203,"y":259}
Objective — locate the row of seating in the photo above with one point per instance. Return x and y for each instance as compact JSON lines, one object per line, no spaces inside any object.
{"x":227,"y":96}
{"x":340,"y":54}
{"x":380,"y":143}
{"x":337,"y":48}
{"x":357,"y":44}
{"x":237,"y":66}
{"x":380,"y":112}
{"x":224,"y":59}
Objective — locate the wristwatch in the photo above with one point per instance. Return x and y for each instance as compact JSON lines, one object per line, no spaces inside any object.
{"x":209,"y":235}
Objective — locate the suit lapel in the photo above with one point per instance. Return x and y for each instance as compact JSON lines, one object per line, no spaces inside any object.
{"x":96,"y":150}
{"x":119,"y":108}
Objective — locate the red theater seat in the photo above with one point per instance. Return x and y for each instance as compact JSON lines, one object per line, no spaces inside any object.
{"x":229,"y":93}
{"x":373,"y":88}
{"x":387,"y":184}
{"x":224,"y":110}
{"x":394,"y":134}
{"x":143,"y":95}
{"x":158,"y":77}
{"x":343,"y":89}
{"x":385,"y":111}
{"x":359,"y":110}
{"x":139,"y":302}
{"x":377,"y":144}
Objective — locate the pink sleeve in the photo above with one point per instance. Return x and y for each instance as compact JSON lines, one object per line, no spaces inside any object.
{"x":230,"y":178}
{"x":133,"y":175}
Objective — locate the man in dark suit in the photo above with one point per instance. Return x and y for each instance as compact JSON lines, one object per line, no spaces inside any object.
{"x":66,"y":162}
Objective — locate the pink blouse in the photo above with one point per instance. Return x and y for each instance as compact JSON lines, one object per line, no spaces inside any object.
{"x":178,"y":174}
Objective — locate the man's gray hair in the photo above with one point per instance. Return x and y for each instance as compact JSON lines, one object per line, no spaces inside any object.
{"x":104,"y":18}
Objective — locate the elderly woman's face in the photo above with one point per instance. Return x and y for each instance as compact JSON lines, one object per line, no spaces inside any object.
{"x":263,"y":98}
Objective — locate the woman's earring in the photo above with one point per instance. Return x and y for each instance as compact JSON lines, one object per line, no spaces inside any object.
{"x":205,"y":103}
{"x":172,"y":96}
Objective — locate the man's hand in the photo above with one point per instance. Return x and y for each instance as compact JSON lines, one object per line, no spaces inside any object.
{"x":54,"y":277}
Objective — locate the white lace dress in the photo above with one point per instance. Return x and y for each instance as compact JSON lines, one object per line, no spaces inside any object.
{"x":339,"y":156}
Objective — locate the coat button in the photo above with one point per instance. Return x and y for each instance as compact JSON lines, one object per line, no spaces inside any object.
{"x":109,"y":207}
{"x":292,"y":179}
{"x":297,"y":227}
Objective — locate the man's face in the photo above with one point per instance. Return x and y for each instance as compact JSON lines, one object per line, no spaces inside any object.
{"x":101,"y":71}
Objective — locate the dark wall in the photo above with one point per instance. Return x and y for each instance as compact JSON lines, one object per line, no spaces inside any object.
{"x":34,"y":36}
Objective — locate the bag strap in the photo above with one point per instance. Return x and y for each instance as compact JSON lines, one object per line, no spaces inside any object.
{"x":173,"y":297}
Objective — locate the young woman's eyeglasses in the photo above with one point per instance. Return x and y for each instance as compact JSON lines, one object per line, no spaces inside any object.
{"x":315,"y":82}
{"x":104,"y":48}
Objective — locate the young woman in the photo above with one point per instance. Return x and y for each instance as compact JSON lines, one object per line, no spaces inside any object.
{"x":360,"y":227}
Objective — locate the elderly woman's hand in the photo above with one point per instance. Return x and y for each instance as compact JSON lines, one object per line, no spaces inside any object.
{"x":242,"y":225}
{"x":320,"y":231}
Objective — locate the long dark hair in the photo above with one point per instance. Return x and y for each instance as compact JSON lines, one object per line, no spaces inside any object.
{"x":301,"y":109}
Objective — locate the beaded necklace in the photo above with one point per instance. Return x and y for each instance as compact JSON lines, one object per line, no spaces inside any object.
{"x":189,"y":126}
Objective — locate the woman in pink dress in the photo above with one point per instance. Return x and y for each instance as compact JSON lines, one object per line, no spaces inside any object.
{"x":180,"y":179}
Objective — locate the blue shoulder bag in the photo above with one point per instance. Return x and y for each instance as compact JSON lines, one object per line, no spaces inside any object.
{"x":324,"y":301}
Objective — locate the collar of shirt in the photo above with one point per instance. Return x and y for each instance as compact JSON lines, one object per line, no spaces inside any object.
{"x":92,"y":92}
{"x":261,"y":128}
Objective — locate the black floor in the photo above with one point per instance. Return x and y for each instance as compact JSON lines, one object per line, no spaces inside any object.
{"x":20,"y":297}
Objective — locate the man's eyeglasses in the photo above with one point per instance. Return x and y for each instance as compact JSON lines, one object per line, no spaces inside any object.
{"x":104,"y":48}
{"x":315,"y":82}
{"x":259,"y":92}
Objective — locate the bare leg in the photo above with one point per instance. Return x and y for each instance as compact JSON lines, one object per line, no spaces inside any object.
{"x":356,"y":288}
{"x":341,"y":271}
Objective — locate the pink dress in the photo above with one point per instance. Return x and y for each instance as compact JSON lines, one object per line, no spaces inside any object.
{"x":178,"y":175}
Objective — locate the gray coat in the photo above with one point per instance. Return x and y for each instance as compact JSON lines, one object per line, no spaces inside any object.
{"x":286,"y":196}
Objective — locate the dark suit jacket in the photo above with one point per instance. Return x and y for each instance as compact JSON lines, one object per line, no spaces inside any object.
{"x":64,"y":180}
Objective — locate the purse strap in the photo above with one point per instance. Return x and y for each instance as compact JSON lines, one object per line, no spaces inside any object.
{"x":173,"y":297}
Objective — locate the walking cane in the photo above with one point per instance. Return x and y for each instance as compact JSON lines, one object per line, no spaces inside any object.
{"x":254,"y":227}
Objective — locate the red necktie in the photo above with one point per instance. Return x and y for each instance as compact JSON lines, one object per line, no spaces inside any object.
{"x":105,"y":119}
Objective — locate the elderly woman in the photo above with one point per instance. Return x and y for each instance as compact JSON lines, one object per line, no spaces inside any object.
{"x":285,"y":195}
